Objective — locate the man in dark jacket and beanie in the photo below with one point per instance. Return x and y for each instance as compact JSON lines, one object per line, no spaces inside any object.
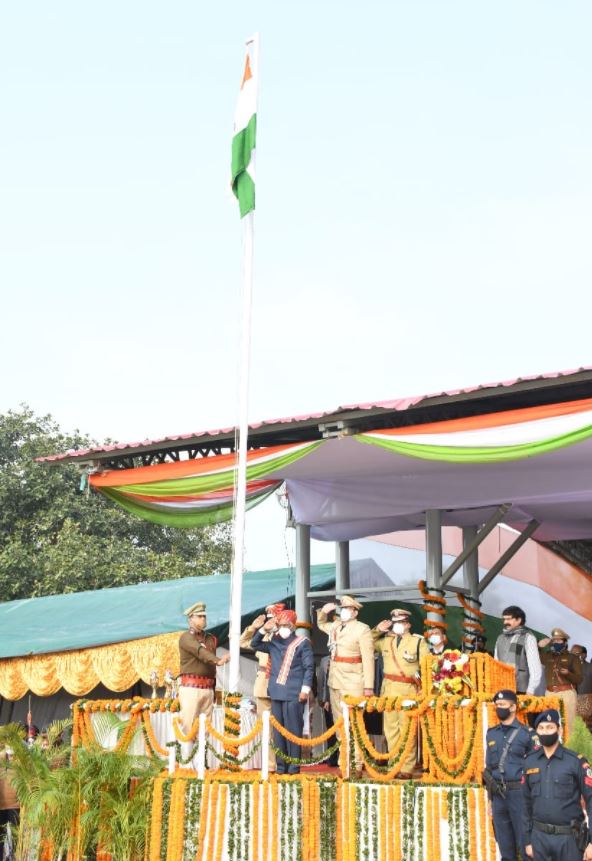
{"x":518,"y":646}
{"x":290,"y":682}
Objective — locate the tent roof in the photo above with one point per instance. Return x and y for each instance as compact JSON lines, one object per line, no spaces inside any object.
{"x":486,"y":397}
{"x":81,"y":620}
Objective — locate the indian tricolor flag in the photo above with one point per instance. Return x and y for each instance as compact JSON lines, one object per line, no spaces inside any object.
{"x":243,"y":142}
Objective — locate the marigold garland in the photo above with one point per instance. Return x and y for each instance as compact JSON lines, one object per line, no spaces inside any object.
{"x":273,"y":788}
{"x":156,"y":821}
{"x":203,"y":819}
{"x":393,"y":753}
{"x":152,"y":740}
{"x":230,"y":742}
{"x":306,"y":742}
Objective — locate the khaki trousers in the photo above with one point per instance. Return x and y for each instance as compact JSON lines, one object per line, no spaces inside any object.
{"x":264,"y":705}
{"x":193,"y":702}
{"x":335,"y":698}
{"x":395,"y":723}
{"x":570,"y":702}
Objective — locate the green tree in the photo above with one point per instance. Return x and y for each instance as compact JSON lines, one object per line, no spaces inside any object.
{"x":55,"y":538}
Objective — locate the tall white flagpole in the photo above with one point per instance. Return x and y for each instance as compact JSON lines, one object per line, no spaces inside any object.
{"x":236,"y":577}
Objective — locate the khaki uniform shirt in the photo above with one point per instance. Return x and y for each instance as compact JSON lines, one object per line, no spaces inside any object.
{"x":197,"y":653}
{"x":554,"y":662}
{"x":260,"y":686}
{"x":350,"y":640}
{"x":402,"y":655}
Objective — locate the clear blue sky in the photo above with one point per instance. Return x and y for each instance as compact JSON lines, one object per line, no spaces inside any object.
{"x":424,"y":205}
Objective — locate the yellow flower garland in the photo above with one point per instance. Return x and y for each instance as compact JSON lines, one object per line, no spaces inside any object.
{"x":410,"y":741}
{"x":368,"y":746}
{"x":231,"y":742}
{"x":221,"y":822}
{"x":274,"y":817}
{"x":396,"y":792}
{"x":154,"y":745}
{"x":306,"y":742}
{"x":256,"y":791}
{"x":156,"y":822}
{"x":203,"y":818}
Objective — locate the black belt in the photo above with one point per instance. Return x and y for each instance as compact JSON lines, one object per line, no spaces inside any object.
{"x":552,"y":829}
{"x":512,"y":784}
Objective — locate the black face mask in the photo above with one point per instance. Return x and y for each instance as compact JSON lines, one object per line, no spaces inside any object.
{"x":503,"y":713}
{"x":549,"y":740}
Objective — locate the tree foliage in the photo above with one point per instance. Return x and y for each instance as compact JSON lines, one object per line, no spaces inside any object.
{"x":55,"y":538}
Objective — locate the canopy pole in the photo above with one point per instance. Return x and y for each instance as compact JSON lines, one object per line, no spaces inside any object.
{"x":471,"y":563}
{"x":302,"y":574}
{"x":508,"y":554}
{"x":433,"y":524}
{"x":238,"y":556}
{"x":342,"y":569}
{"x":478,"y":536}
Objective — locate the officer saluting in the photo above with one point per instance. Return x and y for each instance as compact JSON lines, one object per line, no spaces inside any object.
{"x":508,"y":745}
{"x":555,"y":779}
{"x":401,"y":653}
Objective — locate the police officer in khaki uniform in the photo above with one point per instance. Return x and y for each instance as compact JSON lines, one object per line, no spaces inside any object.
{"x":260,"y":687}
{"x":351,"y":652}
{"x":401,"y":653}
{"x":563,"y":672}
{"x":198,"y":662}
{"x":260,"y":691}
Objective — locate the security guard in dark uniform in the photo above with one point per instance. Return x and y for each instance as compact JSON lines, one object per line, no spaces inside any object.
{"x":508,"y":745}
{"x":555,"y":781}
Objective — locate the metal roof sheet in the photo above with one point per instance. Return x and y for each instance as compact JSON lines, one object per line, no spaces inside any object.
{"x":396,"y":405}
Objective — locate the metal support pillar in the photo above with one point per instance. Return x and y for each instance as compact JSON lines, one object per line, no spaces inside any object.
{"x":508,"y":554}
{"x":434,"y":555}
{"x":471,"y":619}
{"x":341,"y":566}
{"x":302,"y":574}
{"x":471,"y":563}
{"x":477,"y":538}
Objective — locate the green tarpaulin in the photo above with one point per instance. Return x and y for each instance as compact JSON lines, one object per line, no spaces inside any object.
{"x":83,"y":619}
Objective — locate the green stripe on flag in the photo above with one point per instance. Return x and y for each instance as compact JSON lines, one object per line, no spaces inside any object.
{"x":483,"y":454}
{"x":243,"y":185}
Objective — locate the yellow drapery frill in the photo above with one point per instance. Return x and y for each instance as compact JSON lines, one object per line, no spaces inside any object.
{"x":118,"y":666}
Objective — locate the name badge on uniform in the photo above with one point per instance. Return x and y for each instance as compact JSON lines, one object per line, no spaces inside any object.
{"x":532,"y":770}
{"x":490,"y":743}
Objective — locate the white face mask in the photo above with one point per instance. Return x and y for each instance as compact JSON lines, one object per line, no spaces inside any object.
{"x":399,"y":628}
{"x":435,"y":639}
{"x":284,"y":631}
{"x":345,"y":615}
{"x":269,"y":615}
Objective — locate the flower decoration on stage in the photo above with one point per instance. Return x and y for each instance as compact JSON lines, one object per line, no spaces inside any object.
{"x":450,"y":672}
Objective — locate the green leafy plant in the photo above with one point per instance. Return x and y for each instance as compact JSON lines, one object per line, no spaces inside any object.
{"x":79,"y":800}
{"x":580,"y":739}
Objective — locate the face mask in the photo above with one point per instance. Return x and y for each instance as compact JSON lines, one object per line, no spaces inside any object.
{"x":398,"y":628}
{"x":558,"y":647}
{"x":284,"y":631}
{"x":345,"y":615}
{"x":435,"y":639}
{"x":270,"y":615}
{"x":502,"y":712}
{"x":549,"y":740}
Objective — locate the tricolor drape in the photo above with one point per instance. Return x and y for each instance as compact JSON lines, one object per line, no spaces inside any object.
{"x":198,"y":492}
{"x":497,"y":437}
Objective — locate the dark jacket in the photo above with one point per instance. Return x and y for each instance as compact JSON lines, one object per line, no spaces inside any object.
{"x":553,"y":787}
{"x":522,"y":744}
{"x":286,"y":682}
